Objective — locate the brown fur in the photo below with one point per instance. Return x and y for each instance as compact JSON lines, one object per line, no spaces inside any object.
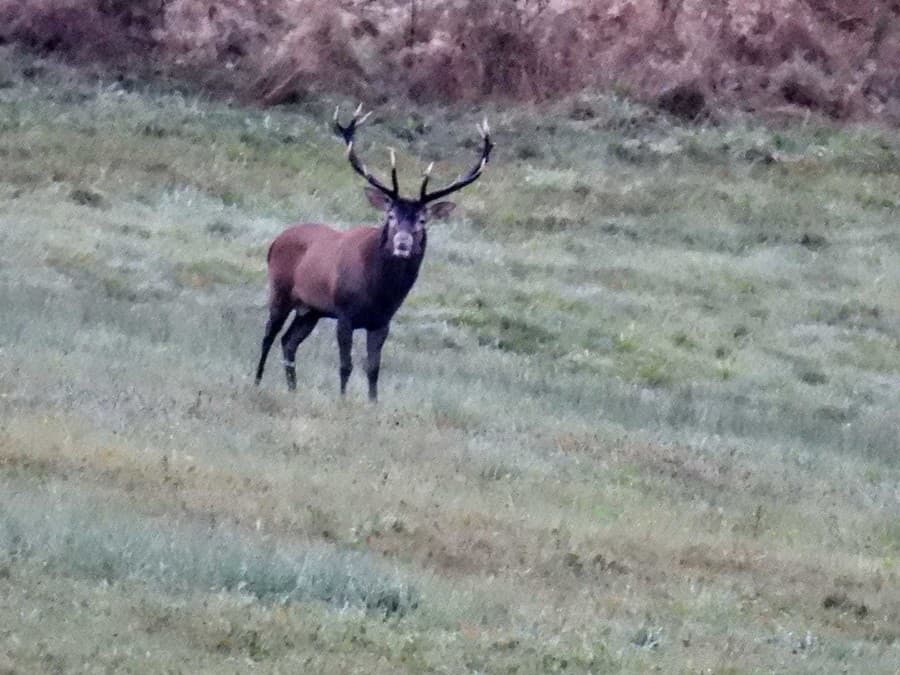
{"x":315,"y":267}
{"x":351,"y":276}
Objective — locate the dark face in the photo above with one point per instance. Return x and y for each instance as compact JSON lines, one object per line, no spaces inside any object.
{"x":405,"y":221}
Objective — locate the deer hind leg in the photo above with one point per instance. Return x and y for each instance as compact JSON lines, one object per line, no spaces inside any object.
{"x":345,"y":345}
{"x":299,"y":330}
{"x":374,"y":342}
{"x":278,"y":314}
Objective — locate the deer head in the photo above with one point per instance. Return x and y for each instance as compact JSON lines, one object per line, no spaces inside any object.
{"x":405,"y":219}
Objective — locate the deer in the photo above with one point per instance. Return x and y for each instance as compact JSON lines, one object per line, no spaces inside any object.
{"x":358,"y":277}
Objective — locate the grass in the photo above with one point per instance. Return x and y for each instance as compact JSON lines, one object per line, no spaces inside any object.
{"x":80,"y":537}
{"x":639,"y":412}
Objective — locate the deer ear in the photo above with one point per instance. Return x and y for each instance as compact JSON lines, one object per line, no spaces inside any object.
{"x":441,"y":209}
{"x":378,"y":199}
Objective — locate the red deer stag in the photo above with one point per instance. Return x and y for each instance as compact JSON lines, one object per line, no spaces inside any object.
{"x":359,"y":277}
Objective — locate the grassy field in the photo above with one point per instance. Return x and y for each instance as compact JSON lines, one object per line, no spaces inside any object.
{"x":641,"y":412}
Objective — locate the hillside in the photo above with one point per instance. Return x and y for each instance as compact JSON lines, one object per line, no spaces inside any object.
{"x":639,"y":413}
{"x":781,"y":58}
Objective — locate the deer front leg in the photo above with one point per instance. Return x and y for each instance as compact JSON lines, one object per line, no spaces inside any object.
{"x":374,"y":342}
{"x":345,"y":345}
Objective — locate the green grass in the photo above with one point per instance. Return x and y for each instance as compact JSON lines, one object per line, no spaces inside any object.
{"x":640,"y":411}
{"x":76,"y":536}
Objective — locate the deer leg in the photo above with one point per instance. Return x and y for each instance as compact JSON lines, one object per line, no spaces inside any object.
{"x":374,"y":342}
{"x":298,"y":331}
{"x":345,"y":345}
{"x":278,"y":314}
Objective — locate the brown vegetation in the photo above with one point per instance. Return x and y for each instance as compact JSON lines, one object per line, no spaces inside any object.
{"x":691,"y":56}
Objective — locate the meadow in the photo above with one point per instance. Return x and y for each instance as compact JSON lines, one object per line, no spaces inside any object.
{"x":640,"y":413}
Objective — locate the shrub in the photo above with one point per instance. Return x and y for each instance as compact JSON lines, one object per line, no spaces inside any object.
{"x":688,"y":57}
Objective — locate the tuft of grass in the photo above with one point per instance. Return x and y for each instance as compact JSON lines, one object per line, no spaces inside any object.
{"x":812,"y":377}
{"x":654,"y":373}
{"x":684,"y":341}
{"x":624,"y":343}
{"x":85,"y":197}
{"x":221,"y":228}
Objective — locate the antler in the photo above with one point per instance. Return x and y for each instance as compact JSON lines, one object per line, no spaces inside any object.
{"x":347,"y":132}
{"x":462,"y":181}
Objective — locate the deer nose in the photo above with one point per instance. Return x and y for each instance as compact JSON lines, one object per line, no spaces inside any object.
{"x":403,"y":244}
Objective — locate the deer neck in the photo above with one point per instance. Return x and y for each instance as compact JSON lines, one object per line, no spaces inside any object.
{"x":392,"y":276}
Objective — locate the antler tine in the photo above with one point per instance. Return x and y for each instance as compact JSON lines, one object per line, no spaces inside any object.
{"x":347,"y":134}
{"x":423,"y":193}
{"x":394,"y":181}
{"x":473,"y":174}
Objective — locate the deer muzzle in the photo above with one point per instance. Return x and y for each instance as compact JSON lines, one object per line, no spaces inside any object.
{"x":403,"y":244}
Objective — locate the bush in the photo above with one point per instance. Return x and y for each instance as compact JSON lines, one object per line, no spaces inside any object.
{"x":688,"y":57}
